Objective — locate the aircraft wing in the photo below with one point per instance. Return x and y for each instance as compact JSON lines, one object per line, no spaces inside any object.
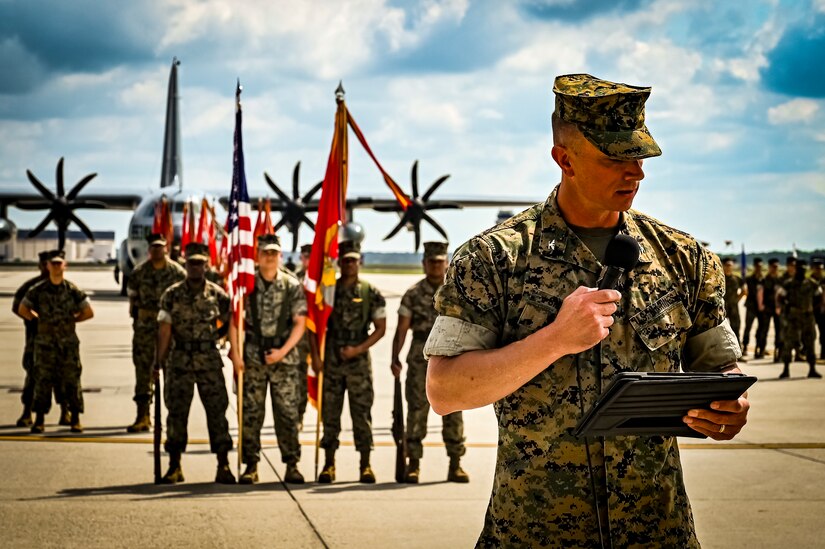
{"x":391,"y":205}
{"x":27,"y":200}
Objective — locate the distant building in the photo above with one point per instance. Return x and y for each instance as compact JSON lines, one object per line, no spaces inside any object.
{"x":78,"y":248}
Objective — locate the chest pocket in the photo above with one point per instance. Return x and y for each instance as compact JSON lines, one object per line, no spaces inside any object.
{"x":539,"y":310}
{"x":662,"y":322}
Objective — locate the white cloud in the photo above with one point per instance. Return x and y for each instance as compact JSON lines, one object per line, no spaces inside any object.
{"x":795,"y":110}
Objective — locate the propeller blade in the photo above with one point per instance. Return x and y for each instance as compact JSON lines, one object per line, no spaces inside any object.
{"x":79,"y":186}
{"x":397,"y":227}
{"x":33,"y":205}
{"x":92,"y":204}
{"x":308,"y":196}
{"x":279,"y":224}
{"x":296,"y":175}
{"x":42,"y":225}
{"x":417,"y":230}
{"x":61,"y":237}
{"x":82,"y":226}
{"x":40,"y":186}
{"x":59,"y":176}
{"x":284,"y":198}
{"x":308,"y":221}
{"x":434,"y":187}
{"x":435,"y":225}
{"x":295,"y":239}
{"x":414,"y":177}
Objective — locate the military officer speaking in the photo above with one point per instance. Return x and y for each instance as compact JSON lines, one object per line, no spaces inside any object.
{"x":520,"y":319}
{"x":274,"y":319}
{"x":417,"y":313}
{"x":146,"y":284}
{"x":346,"y":365}
{"x":192,"y":313}
{"x":58,"y":305}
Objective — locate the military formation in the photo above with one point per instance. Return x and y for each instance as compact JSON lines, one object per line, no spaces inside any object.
{"x":793,"y":301}
{"x":181,"y":317}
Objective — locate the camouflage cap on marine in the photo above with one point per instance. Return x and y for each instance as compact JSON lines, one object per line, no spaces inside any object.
{"x":435,"y":250}
{"x":609,"y":114}
{"x":268,"y":242}
{"x":196,"y":251}
{"x":43,"y":256}
{"x":817,"y":261}
{"x":156,"y":239}
{"x":349,"y":248}
{"x":306,"y":249}
{"x":57,"y":256}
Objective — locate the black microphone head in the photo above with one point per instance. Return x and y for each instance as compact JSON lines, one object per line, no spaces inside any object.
{"x":623,"y":252}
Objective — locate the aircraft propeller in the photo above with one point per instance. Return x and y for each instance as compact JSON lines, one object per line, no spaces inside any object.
{"x":61,"y":206}
{"x":295,"y":207}
{"x":416,"y":212}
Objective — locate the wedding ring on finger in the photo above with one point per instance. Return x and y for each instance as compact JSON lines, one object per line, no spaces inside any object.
{"x":722,"y":429}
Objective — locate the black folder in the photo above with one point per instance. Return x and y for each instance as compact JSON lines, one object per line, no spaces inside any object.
{"x":654,"y":403}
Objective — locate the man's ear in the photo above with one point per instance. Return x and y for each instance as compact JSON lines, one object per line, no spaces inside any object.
{"x":562,"y":157}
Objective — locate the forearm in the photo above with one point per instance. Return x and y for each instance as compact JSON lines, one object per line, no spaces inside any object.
{"x":84,"y":314}
{"x":398,"y":342}
{"x":372,"y":339}
{"x":235,"y":352}
{"x":26,"y":313}
{"x":478,"y":378}
{"x":298,"y":326}
{"x":164,"y":339}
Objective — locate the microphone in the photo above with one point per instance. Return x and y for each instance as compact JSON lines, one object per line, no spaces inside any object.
{"x":621,"y":256}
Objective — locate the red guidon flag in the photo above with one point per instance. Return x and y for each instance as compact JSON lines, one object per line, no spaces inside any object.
{"x":319,"y":283}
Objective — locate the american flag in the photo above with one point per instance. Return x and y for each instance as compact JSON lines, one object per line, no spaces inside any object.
{"x":241,"y":252}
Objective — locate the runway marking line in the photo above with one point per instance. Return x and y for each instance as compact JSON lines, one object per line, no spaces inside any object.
{"x":389,"y":444}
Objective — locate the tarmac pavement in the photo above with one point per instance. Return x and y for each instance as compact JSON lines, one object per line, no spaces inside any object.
{"x":95,"y":489}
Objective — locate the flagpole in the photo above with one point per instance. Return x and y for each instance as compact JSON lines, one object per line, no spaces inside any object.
{"x":241,"y":330}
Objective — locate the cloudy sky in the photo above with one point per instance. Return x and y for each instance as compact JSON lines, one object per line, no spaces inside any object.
{"x":462,"y":85}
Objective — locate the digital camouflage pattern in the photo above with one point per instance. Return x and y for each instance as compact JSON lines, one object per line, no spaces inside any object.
{"x":753,"y":285}
{"x":56,"y":347}
{"x":28,"y":350}
{"x":798,"y":323}
{"x":144,"y":288}
{"x":509,"y":282}
{"x":417,"y":304}
{"x":194,"y":315}
{"x":282,"y":377}
{"x":355,"y":308}
{"x":609,"y":114}
{"x":733,"y":285}
{"x":303,"y":350}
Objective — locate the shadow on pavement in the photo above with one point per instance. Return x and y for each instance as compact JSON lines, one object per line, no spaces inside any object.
{"x":151,"y":491}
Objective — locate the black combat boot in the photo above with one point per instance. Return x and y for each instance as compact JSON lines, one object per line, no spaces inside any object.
{"x":26,"y":417}
{"x":786,"y":372}
{"x":143,"y":420}
{"x":39,"y":423}
{"x":812,"y":373}
{"x":412,"y":471}
{"x":224,"y":474}
{"x":327,"y":475}
{"x":76,"y":427}
{"x":367,"y":476}
{"x":292,"y":474}
{"x":175,"y":474}
{"x":250,"y":475}
{"x":456,"y":473}
{"x":65,"y":416}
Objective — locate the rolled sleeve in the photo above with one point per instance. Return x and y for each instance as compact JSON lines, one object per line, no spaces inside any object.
{"x":84,"y":304}
{"x":165,"y":317}
{"x":379,"y":312}
{"x":452,"y":336}
{"x":712,"y":350}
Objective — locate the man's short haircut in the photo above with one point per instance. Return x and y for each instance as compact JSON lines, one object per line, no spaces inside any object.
{"x":773,"y":261}
{"x":757,"y":261}
{"x":790,"y":260}
{"x":728,"y":260}
{"x":563,"y":131}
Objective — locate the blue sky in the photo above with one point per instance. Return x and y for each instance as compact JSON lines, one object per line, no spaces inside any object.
{"x":464,"y":86}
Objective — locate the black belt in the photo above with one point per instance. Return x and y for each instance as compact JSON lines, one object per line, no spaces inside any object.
{"x":273,"y":342}
{"x":195,"y":346}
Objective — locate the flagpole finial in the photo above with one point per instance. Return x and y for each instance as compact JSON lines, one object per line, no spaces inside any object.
{"x":238,"y":90}
{"x":339,"y":92}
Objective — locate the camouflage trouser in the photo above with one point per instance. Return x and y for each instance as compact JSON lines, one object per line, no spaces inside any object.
{"x":766,"y":317}
{"x":418,"y":408}
{"x":27,"y":396}
{"x":183,"y":372}
{"x":796,"y":328}
{"x":57,"y":368}
{"x":284,"y":386}
{"x":751,"y":315}
{"x":355,"y":377}
{"x":144,"y":340}
{"x":733,"y":317}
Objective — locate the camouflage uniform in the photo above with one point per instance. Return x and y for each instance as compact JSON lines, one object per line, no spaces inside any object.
{"x":753,"y":284}
{"x":145,"y":286}
{"x":511,"y":280}
{"x":733,"y":283}
{"x":195,"y":360}
{"x":355,"y":307}
{"x":798,"y":315}
{"x":303,"y":354}
{"x":27,"y":395}
{"x":769,"y":284}
{"x":56,"y":347}
{"x":283,"y":296}
{"x":417,"y":304}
